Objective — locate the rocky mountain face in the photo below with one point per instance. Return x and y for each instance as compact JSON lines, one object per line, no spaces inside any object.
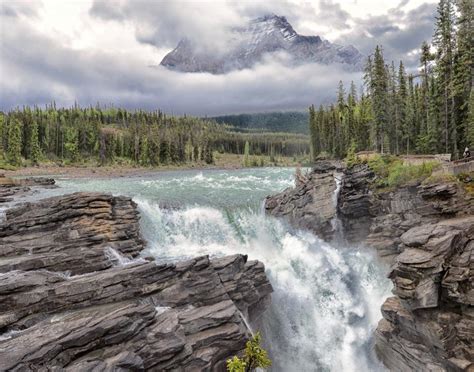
{"x":77,"y":292}
{"x":251,"y":43}
{"x":427,"y":233}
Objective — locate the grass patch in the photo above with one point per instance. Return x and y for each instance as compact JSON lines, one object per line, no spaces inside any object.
{"x":467,"y":181}
{"x":6,"y":166}
{"x":392,"y":172}
{"x":441,"y":178}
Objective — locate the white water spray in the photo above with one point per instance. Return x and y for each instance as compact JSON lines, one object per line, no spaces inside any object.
{"x":326,"y":301}
{"x":327,"y":297}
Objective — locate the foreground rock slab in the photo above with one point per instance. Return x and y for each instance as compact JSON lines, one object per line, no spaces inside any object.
{"x":74,"y":295}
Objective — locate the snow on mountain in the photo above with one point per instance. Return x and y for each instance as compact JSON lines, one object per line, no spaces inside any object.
{"x":259,"y":38}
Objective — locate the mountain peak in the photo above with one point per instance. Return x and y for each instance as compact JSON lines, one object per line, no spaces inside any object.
{"x":261,"y":36}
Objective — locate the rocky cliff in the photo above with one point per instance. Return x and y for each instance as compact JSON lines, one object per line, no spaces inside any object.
{"x":311,"y":204}
{"x":427,"y":232}
{"x":78,"y":293}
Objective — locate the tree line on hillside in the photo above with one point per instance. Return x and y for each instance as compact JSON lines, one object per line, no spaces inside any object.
{"x":288,"y":122}
{"x":431,"y":111}
{"x":109,"y":135}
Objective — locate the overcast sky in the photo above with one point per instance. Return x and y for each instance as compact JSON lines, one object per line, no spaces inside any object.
{"x":109,"y":51}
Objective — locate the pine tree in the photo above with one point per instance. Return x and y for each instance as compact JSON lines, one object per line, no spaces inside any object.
{"x":35,"y":150}
{"x":314,"y":134}
{"x":14,"y":142}
{"x":425,"y":59}
{"x":401,"y":102}
{"x":71,"y":144}
{"x":463,"y":68}
{"x":247,"y":154}
{"x":470,"y":122}
{"x":144,"y":156}
{"x":379,"y":100}
{"x":444,"y":42}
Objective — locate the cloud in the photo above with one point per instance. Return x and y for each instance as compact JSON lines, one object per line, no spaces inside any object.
{"x":41,"y":71}
{"x":165,"y":23}
{"x":17,"y":9}
{"x":102,"y":52}
{"x":398,"y":31}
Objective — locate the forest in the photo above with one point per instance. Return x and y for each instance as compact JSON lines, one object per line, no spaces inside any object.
{"x":114,"y":135}
{"x":289,"y":122}
{"x":430,"y":111}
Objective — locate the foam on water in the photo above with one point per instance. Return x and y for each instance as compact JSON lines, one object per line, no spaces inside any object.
{"x":326,"y":301}
{"x":327,"y":298}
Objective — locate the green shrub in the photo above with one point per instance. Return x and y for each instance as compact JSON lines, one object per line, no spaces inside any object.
{"x":351,"y":157}
{"x":400,"y":174}
{"x":392,"y":172}
{"x":254,"y":357}
{"x":380,"y":164}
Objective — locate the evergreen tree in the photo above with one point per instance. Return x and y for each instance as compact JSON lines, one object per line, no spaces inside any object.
{"x":14,"y":142}
{"x":463,"y":69}
{"x":470,"y":122}
{"x":401,"y":102}
{"x":247,"y":154}
{"x":144,"y":156}
{"x":378,"y":86}
{"x":35,"y":150}
{"x":444,"y":41}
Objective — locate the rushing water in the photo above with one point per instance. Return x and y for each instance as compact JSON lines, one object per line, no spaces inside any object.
{"x":327,"y":297}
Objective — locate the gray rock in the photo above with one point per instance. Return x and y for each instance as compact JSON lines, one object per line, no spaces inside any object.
{"x":115,"y":312}
{"x":310,"y":205}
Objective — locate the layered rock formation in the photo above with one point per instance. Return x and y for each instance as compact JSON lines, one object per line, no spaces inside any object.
{"x":311,"y":203}
{"x":427,"y":233}
{"x":429,"y":324}
{"x":74,"y":295}
{"x":379,"y":218}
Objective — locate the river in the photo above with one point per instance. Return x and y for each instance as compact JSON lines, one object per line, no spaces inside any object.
{"x":327,"y":297}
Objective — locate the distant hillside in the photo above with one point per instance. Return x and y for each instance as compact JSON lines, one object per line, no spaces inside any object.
{"x":290,"y":122}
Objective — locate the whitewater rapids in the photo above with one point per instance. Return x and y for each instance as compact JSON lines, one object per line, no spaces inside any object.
{"x":327,"y":297}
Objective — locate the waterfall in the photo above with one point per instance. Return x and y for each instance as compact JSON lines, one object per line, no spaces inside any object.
{"x":336,"y":222}
{"x":327,"y":297}
{"x":119,"y":259}
{"x":326,"y":301}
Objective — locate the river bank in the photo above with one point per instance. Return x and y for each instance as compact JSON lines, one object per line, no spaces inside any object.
{"x":92,"y":170}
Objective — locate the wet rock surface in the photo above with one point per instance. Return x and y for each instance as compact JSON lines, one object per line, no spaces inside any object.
{"x":427,"y":233}
{"x":11,"y":188}
{"x":76,"y":296}
{"x":311,"y":203}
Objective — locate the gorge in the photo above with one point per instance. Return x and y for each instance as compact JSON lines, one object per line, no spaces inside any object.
{"x":426,"y":232}
{"x":169,"y":280}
